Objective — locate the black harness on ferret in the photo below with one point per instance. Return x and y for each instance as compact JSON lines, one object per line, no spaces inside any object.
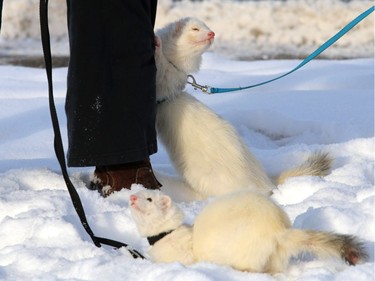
{"x":153,"y":239}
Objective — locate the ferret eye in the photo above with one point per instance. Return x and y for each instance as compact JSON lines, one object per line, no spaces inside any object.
{"x":149,"y":199}
{"x":195,"y":28}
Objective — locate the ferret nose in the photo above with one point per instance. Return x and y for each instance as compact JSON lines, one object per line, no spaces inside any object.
{"x":211,"y":34}
{"x":133,"y":198}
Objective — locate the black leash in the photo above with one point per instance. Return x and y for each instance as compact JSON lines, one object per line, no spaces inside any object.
{"x":58,"y":145}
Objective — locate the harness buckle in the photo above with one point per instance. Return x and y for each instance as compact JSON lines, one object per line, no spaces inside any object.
{"x":193,"y":82}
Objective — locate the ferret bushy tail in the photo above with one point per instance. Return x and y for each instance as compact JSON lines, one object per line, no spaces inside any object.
{"x":318,"y":164}
{"x":322,"y":244}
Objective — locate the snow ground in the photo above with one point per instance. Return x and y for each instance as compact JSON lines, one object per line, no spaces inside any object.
{"x":327,"y":105}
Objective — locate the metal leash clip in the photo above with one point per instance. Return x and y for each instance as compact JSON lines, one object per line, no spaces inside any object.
{"x":193,"y":82}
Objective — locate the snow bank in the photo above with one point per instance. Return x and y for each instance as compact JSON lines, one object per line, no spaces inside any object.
{"x":245,"y":29}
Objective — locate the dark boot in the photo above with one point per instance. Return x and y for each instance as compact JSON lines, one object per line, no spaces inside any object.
{"x":108,"y":179}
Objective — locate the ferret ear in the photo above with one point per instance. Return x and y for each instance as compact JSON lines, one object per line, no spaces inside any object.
{"x":165,"y":201}
{"x":178,"y":28}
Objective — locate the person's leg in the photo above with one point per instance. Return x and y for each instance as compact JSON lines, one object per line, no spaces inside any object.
{"x":110,"y":103}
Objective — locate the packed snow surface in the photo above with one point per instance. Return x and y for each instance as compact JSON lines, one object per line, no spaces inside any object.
{"x":327,"y":105}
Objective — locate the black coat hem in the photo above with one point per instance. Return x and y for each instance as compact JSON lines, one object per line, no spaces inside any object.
{"x":114,"y":158}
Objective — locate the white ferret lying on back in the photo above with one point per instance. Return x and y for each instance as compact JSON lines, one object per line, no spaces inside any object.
{"x":244,"y":230}
{"x":205,"y":149}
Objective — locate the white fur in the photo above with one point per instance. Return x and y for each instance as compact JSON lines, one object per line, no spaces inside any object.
{"x":205,"y":149}
{"x":246,"y":231}
{"x":154,"y":212}
{"x":239,"y":230}
{"x":179,"y":49}
{"x":175,"y":247}
{"x":162,"y":215}
{"x":250,"y":232}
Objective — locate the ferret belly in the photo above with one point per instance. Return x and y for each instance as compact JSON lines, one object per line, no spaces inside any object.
{"x":207,"y":150}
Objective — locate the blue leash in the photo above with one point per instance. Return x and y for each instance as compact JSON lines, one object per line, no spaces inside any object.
{"x":317,"y":52}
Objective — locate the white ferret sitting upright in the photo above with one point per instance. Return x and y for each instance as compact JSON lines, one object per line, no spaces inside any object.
{"x":244,"y":230}
{"x":205,"y":149}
